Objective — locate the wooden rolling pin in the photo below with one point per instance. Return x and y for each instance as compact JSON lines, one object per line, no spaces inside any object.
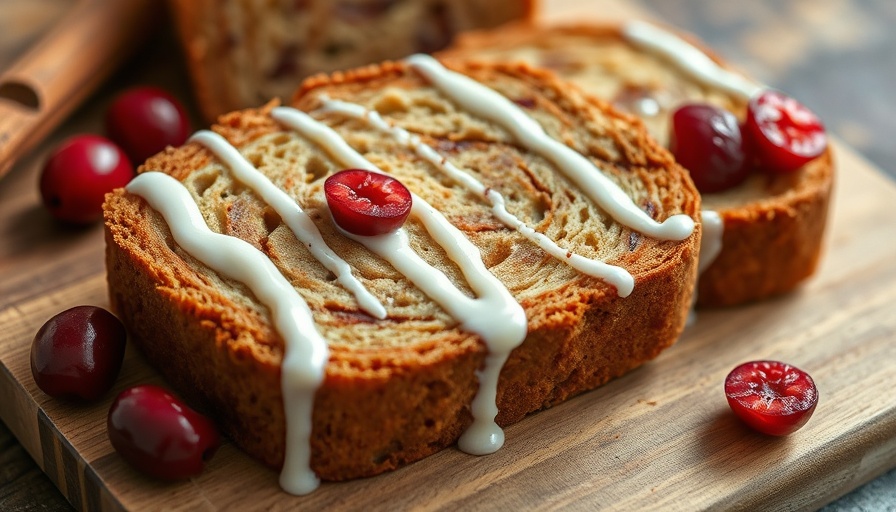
{"x":59,"y":72}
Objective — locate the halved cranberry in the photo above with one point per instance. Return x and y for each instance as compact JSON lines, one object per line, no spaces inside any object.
{"x":772,"y":397}
{"x":707,"y":141}
{"x":144,"y":120}
{"x":77,"y":176}
{"x":367,"y":203}
{"x":160,"y":435}
{"x":77,"y":354}
{"x":786,"y":135}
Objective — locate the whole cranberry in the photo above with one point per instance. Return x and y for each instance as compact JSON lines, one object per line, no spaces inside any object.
{"x":772,"y":397}
{"x":160,"y":435}
{"x":144,"y":120}
{"x":367,"y":203}
{"x":77,"y":354}
{"x":706,"y":140}
{"x":77,"y":176}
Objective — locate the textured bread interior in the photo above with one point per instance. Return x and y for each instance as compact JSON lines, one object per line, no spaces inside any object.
{"x":417,"y":362}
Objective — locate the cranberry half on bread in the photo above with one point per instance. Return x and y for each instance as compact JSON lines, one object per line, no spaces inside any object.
{"x":511,"y":251}
{"x":773,"y":223}
{"x":244,"y":53}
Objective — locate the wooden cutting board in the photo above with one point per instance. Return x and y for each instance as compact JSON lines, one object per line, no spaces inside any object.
{"x":661,"y":437}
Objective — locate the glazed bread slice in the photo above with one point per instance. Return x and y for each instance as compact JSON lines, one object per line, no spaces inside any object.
{"x":242,"y":53}
{"x":773,"y":224}
{"x":399,"y":388}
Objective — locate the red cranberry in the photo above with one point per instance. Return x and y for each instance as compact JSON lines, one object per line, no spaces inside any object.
{"x":707,"y":141}
{"x":77,"y":354}
{"x":144,"y":120}
{"x":772,"y":397}
{"x":77,"y":176}
{"x":160,"y":435}
{"x":786,"y":135}
{"x":367,"y":203}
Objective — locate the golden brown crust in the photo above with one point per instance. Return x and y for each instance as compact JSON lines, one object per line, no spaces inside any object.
{"x":774,"y":224}
{"x":382,"y":406}
{"x":241,"y":54}
{"x":770,"y":247}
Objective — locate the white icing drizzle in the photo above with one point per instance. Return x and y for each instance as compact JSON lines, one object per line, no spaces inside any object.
{"x":688,"y":57}
{"x":711,"y":244}
{"x":487,"y":103}
{"x":710,"y":247}
{"x":292,"y":214}
{"x":494,"y":315}
{"x":614,"y":275}
{"x":305,"y":351}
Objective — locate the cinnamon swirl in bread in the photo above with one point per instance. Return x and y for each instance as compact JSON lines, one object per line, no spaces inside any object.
{"x":770,"y":228}
{"x":551,"y":246}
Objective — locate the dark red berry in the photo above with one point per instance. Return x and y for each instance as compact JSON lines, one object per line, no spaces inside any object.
{"x":77,"y":354}
{"x":367,"y":203}
{"x":160,"y":435}
{"x":707,"y":141}
{"x":144,"y":120}
{"x":785,"y":134}
{"x":77,"y":176}
{"x":772,"y":397}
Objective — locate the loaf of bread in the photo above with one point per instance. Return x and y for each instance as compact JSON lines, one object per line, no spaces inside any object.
{"x":522,"y":231}
{"x":241,"y":54}
{"x":773,"y":224}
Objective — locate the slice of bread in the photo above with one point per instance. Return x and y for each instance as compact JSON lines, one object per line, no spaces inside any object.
{"x":398,"y":388}
{"x":241,"y":54}
{"x":773,"y":224}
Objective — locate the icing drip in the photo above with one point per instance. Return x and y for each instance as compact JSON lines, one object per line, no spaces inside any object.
{"x":711,"y":245}
{"x":305,"y":352}
{"x":292,"y":214}
{"x":614,"y":275}
{"x":489,"y":104}
{"x":494,"y":315}
{"x":689,"y":58}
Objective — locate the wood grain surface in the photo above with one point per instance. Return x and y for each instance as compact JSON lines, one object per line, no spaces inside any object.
{"x":658,"y":438}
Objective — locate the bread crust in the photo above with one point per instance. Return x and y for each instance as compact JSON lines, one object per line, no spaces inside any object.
{"x":774,"y":224}
{"x":381,"y":407}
